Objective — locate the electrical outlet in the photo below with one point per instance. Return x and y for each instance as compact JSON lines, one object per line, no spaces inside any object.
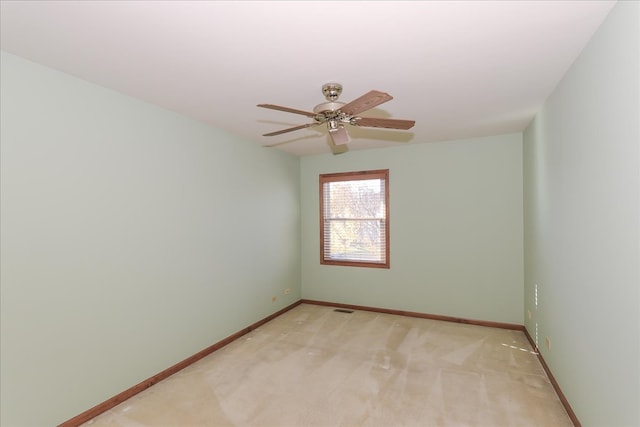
{"x":287,"y":291}
{"x":529,"y":314}
{"x":548,"y":343}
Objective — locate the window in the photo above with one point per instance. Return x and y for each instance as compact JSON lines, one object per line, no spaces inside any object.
{"x":354,"y":219}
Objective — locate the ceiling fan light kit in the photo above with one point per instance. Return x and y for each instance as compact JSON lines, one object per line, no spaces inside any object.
{"x":336,"y":114}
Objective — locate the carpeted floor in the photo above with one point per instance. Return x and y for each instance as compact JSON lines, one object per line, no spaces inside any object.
{"x":314,"y":366}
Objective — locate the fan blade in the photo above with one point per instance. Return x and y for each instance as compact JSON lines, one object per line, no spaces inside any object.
{"x":339,"y":136}
{"x":287,"y":109}
{"x":384,"y":123}
{"x":278,"y":132}
{"x":366,"y":102}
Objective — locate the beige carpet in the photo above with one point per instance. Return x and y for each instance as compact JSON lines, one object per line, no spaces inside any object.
{"x":313,"y":366}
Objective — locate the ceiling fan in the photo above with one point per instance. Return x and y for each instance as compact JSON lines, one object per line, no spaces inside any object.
{"x":336,"y":114}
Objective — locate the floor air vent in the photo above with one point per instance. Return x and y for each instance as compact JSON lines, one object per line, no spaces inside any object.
{"x":342,"y":310}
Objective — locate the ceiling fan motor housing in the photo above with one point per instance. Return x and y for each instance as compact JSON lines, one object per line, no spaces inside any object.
{"x":328,"y":106}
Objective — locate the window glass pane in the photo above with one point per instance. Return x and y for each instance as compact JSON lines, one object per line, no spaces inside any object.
{"x":355,"y":199}
{"x":355,"y":240}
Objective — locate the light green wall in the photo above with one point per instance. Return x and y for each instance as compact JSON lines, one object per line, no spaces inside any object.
{"x":132,"y":238}
{"x":456,"y":230}
{"x":582,"y":234}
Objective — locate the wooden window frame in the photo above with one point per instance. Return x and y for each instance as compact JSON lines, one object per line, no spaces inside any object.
{"x":382,"y":174}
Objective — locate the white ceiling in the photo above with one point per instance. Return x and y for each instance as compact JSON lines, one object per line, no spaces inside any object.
{"x":458,"y":68}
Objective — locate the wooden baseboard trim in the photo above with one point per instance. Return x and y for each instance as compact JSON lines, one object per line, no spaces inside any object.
{"x":121,"y":397}
{"x":563,"y":399}
{"x":420,"y":315}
